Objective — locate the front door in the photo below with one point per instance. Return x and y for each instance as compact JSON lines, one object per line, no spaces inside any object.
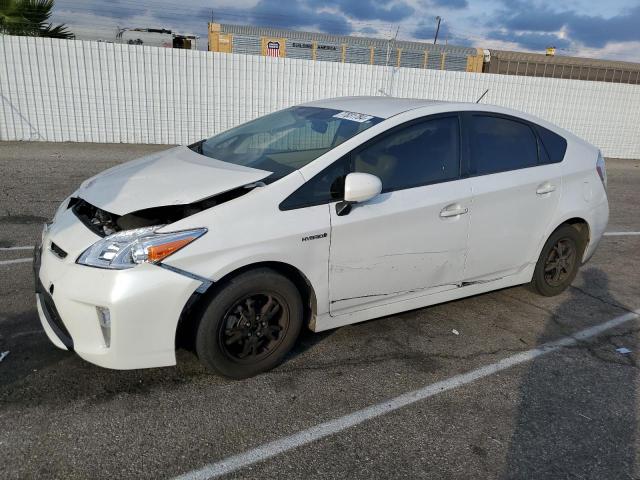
{"x":411,"y":240}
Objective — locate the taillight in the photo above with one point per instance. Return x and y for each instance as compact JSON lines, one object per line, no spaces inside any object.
{"x":601,"y":169}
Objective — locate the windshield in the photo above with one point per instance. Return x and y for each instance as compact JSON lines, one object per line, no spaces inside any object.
{"x":285,"y":141}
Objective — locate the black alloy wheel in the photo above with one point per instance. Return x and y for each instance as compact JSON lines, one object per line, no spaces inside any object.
{"x":250,"y":323}
{"x":559,"y":261}
{"x":254,"y":326}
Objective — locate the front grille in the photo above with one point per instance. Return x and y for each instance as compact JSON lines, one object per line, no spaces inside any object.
{"x":53,"y":317}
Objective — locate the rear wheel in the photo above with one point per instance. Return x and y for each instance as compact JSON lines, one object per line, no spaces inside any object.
{"x":559,"y":261}
{"x":250,"y":324}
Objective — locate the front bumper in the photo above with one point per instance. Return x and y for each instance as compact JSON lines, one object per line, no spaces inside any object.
{"x":144,"y":303}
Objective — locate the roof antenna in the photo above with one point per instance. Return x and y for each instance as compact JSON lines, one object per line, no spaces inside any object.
{"x":482,"y":96}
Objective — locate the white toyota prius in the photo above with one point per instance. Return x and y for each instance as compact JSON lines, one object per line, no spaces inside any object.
{"x":319,"y":215}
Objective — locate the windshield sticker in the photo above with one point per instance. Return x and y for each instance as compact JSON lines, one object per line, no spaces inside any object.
{"x":353,"y":116}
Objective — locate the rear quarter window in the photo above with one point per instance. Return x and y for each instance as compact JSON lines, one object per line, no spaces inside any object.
{"x":554,"y":146}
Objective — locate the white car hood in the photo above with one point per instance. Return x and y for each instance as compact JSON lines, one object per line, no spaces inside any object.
{"x":172,"y":177}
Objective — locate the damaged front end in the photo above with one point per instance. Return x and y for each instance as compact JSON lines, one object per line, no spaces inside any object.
{"x":104,"y":223}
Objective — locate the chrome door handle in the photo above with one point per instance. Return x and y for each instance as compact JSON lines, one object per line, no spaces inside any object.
{"x":453,"y":210}
{"x":545,"y":188}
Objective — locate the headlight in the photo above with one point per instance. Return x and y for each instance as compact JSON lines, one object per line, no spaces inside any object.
{"x":129,"y":248}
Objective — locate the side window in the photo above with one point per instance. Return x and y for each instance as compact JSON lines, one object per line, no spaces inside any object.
{"x":553,"y":145}
{"x":420,"y":154}
{"x":327,"y":186}
{"x":498,"y":145}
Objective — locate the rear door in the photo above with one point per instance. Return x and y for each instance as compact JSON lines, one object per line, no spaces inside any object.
{"x":515,"y":194}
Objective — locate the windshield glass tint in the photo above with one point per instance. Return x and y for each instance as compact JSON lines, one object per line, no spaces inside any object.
{"x":285,"y":141}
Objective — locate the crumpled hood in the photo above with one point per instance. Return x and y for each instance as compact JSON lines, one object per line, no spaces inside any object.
{"x":176,"y":176}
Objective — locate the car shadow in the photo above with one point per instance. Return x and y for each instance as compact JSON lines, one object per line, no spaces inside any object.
{"x":36,"y":372}
{"x":576,"y":416}
{"x":306,"y":341}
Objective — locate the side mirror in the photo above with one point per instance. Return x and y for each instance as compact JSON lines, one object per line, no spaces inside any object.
{"x":358,"y":187}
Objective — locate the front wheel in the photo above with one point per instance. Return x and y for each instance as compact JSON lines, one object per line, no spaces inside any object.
{"x":559,"y":262}
{"x":250,"y":324}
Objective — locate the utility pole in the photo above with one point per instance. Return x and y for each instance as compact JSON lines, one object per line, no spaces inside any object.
{"x":438,"y":19}
{"x":392,"y":40}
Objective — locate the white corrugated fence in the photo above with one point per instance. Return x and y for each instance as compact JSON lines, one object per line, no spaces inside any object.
{"x":80,"y":91}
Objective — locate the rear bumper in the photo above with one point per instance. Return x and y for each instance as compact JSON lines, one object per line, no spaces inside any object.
{"x":144,"y":305}
{"x":597,"y":227}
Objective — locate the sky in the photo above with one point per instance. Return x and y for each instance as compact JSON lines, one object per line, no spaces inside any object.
{"x":584,"y":28}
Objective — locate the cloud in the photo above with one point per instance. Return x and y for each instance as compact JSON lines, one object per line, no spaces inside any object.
{"x":278,"y":14}
{"x":452,"y":4}
{"x":531,"y":40}
{"x":535,"y":21}
{"x":331,"y":24}
{"x":331,"y":16}
{"x":370,"y":9}
{"x":368,"y":31}
{"x":424,"y":30}
{"x":597,"y":31}
{"x":115,"y":9}
{"x":528,"y":22}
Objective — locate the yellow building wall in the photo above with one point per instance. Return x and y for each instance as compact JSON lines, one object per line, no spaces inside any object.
{"x":475,"y":62}
{"x":218,"y":41}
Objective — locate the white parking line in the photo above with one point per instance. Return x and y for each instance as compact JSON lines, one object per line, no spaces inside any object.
{"x":620,"y":234}
{"x":16,"y":260}
{"x":27,"y":247}
{"x":271,"y":449}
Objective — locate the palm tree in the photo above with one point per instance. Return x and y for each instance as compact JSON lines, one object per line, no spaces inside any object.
{"x":31,"y":18}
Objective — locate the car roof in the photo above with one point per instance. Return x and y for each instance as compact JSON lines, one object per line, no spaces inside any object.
{"x":382,"y":107}
{"x":386,"y":107}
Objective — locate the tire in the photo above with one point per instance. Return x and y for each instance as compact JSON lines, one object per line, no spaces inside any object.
{"x":250,"y":324}
{"x":553,"y":275}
